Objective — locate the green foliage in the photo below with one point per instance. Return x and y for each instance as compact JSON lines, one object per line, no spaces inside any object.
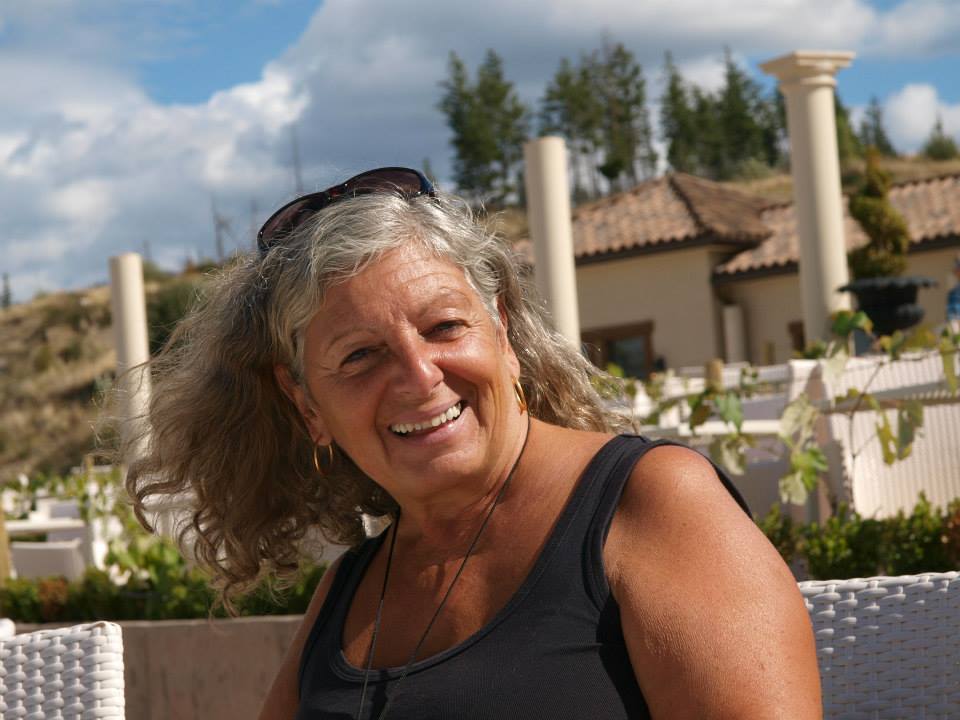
{"x":169,"y":590}
{"x":570,"y":108}
{"x":872,"y":131}
{"x":677,"y":122}
{"x":848,"y":545}
{"x":154,"y":273}
{"x":166,"y":307}
{"x":885,"y":254}
{"x":626,"y":136}
{"x":489,"y":126}
{"x":735,"y":133}
{"x":849,"y":146}
{"x":939,"y":145}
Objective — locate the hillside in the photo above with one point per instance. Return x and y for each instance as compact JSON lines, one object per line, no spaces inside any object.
{"x":56,"y":355}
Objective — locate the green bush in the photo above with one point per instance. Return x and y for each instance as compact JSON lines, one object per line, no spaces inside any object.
{"x":848,"y":545}
{"x":182,"y":594}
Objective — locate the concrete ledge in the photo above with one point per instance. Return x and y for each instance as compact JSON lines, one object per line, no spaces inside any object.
{"x":211,"y":669}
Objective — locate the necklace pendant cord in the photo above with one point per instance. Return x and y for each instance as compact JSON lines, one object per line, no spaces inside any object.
{"x":436,"y":613}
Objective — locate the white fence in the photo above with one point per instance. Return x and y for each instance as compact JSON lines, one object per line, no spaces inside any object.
{"x":858,"y":474}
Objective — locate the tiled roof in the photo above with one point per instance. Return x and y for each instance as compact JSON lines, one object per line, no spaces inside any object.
{"x":931,"y":208}
{"x":666,"y":211}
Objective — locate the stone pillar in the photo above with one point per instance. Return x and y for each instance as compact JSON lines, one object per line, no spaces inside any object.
{"x":128,"y":305}
{"x":807,"y":81}
{"x":734,"y":334}
{"x":548,"y":213}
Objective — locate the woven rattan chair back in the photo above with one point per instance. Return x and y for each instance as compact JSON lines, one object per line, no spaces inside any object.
{"x":888,"y":647}
{"x":74,"y":672}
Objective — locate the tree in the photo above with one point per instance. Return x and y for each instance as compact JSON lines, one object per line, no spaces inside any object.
{"x":849,"y":146}
{"x":570,"y":108}
{"x":885,"y":254}
{"x":489,"y":125}
{"x":677,"y":121}
{"x":872,"y":132}
{"x":6,"y":296}
{"x":627,"y":138}
{"x":939,"y":145}
{"x":739,"y":109}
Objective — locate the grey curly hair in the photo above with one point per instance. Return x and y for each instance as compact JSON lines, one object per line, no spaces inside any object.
{"x":223,"y":432}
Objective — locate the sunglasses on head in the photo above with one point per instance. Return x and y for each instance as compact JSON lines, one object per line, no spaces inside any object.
{"x":405,"y":182}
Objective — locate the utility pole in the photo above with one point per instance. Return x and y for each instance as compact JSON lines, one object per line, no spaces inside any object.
{"x":295,"y":147}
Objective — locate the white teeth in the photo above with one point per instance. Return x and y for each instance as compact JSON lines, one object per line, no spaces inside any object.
{"x":446,"y":416}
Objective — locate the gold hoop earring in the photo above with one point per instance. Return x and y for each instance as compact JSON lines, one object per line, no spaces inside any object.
{"x":521,"y":397}
{"x":316,"y":460}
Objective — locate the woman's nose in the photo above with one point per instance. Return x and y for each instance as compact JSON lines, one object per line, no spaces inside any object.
{"x":418,"y":372}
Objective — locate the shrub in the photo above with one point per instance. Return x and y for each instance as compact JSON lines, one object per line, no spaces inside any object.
{"x":885,"y":254}
{"x":848,"y":545}
{"x":182,"y":593}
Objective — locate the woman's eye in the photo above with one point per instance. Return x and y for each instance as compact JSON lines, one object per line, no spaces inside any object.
{"x":356,"y":356}
{"x":445,"y":327}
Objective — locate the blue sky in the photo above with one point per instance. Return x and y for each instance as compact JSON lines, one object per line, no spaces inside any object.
{"x":124,"y":122}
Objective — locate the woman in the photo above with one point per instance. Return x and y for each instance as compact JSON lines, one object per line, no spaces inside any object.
{"x":382,"y":354}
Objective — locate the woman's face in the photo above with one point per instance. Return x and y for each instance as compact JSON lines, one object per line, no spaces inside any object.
{"x":408,"y":374}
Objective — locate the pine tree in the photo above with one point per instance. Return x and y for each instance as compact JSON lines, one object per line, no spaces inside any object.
{"x":569,"y":108}
{"x":849,"y":146}
{"x":627,"y":138}
{"x":677,"y":122}
{"x":6,"y":297}
{"x":939,"y":145}
{"x":872,"y":132}
{"x":489,"y":125}
{"x":507,"y":119}
{"x":710,"y":140}
{"x":739,"y":106}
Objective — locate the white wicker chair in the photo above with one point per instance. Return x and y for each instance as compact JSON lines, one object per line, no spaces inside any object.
{"x":73,"y":672}
{"x":888,"y":647}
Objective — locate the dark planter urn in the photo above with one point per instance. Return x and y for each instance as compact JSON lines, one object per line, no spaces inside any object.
{"x":890,"y":302}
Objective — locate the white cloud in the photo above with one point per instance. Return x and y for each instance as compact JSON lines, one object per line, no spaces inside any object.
{"x":91,"y":166}
{"x":910,"y":114}
{"x":916,"y":28}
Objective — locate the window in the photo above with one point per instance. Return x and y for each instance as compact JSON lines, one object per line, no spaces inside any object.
{"x":629,"y":346}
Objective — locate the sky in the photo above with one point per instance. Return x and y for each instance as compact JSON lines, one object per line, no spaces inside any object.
{"x":127,"y":125}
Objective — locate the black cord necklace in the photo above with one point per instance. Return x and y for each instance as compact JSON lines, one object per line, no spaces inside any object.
{"x":443,"y":601}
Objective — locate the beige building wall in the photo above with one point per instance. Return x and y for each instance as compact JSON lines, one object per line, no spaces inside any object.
{"x":670,"y":288}
{"x":937,"y":265}
{"x":769,"y":304}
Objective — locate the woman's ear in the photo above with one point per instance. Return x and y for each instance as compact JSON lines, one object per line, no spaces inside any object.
{"x":299,"y":397}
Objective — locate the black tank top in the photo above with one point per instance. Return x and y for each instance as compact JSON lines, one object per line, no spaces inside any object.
{"x":555,"y":650}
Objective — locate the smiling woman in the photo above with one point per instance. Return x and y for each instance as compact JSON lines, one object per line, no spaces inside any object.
{"x":383,"y":354}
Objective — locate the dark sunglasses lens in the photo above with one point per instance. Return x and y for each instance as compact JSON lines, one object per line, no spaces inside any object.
{"x":408,"y":183}
{"x":399,"y":180}
{"x":290,"y":217}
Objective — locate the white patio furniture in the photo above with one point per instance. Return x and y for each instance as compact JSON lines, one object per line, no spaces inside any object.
{"x":888,"y":646}
{"x":68,"y":673}
{"x":52,"y":557}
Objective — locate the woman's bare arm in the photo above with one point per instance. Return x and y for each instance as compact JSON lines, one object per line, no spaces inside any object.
{"x":713,"y":620}
{"x":284,"y":697}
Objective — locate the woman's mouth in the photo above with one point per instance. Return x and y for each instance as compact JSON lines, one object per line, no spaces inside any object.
{"x":444,"y":418}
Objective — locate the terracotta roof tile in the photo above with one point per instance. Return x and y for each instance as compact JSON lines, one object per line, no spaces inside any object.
{"x":672,"y":209}
{"x":931,"y":208}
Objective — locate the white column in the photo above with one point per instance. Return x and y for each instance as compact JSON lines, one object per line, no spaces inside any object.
{"x":129,"y":309}
{"x":807,"y":82}
{"x":548,"y":214}
{"x":734,"y":334}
